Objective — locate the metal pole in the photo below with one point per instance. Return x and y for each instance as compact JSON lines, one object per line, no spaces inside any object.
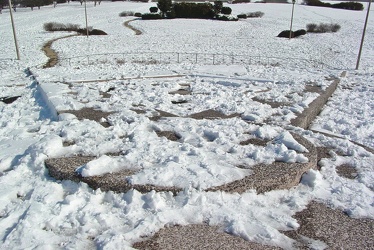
{"x":14,"y":30}
{"x":293,"y":6}
{"x":363,"y":36}
{"x":85,"y":14}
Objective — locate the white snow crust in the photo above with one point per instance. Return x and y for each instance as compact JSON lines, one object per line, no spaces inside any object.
{"x":39,"y":212}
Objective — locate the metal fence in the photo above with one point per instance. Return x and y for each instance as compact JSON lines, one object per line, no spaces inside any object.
{"x":189,"y":58}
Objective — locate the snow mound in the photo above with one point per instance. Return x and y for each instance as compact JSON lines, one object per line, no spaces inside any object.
{"x":102,"y":165}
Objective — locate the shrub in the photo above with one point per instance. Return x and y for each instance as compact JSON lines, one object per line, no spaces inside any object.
{"x":348,"y":6}
{"x":151,"y":16}
{"x":343,"y":5}
{"x":335,"y":27}
{"x":217,"y":7}
{"x":96,"y":32}
{"x":164,"y":6}
{"x":311,"y":27}
{"x":322,"y":28}
{"x":48,"y":26}
{"x":138,"y":14}
{"x":286,"y":34}
{"x":53,"y":26}
{"x":244,"y":16}
{"x":255,"y":14}
{"x":226,"y":10}
{"x":153,"y":9}
{"x":193,"y":10}
{"x":126,"y":13}
{"x":298,"y":33}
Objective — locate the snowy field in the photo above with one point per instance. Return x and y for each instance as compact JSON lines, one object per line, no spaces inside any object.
{"x":36,"y":211}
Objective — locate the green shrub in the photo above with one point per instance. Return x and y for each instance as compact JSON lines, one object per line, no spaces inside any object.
{"x":342,"y":5}
{"x":217,"y":7}
{"x":348,"y":6}
{"x":126,"y":13}
{"x":311,"y":27}
{"x":138,"y":14}
{"x":322,"y":28}
{"x":164,"y":6}
{"x":335,"y":27}
{"x":255,"y":14}
{"x":151,"y":16}
{"x":153,"y":9}
{"x":193,"y":10}
{"x":226,"y":10}
{"x":53,"y":26}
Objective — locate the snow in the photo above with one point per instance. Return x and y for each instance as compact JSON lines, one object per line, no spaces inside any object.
{"x":37,"y":211}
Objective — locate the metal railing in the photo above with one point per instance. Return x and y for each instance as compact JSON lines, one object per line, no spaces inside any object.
{"x":191,"y":58}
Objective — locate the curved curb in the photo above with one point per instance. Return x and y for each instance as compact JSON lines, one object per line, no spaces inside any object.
{"x":127,"y":25}
{"x":278,"y":175}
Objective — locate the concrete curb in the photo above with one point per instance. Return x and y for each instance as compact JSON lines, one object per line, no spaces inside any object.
{"x":309,"y":114}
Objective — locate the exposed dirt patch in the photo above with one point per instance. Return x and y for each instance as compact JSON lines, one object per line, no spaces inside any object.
{"x":162,"y":114}
{"x":170,"y":135}
{"x":271,"y":103}
{"x":197,"y":237}
{"x":139,"y":111}
{"x":333,"y":227}
{"x":212,"y":114}
{"x":105,"y":94}
{"x":313,"y":88}
{"x":254,"y":141}
{"x":64,"y":169}
{"x":278,"y":175}
{"x":91,"y":114}
{"x":304,"y":119}
{"x":179,"y":102}
{"x":180,"y":92}
{"x":68,"y":143}
{"x":346,"y":171}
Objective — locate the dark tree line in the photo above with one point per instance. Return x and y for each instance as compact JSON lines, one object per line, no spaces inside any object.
{"x":38,"y":3}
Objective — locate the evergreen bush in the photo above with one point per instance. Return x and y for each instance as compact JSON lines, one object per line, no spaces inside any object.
{"x":226,"y":10}
{"x":151,"y":16}
{"x":126,"y":13}
{"x":153,"y":9}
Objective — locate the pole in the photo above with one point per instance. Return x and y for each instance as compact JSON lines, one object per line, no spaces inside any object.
{"x":85,"y":14}
{"x":363,"y":37}
{"x":293,"y":6}
{"x":14,"y":30}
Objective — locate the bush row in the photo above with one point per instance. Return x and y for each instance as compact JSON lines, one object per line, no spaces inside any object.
{"x":342,"y":5}
{"x":167,"y":9}
{"x":53,"y":26}
{"x":322,"y":28}
{"x":251,"y":15}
